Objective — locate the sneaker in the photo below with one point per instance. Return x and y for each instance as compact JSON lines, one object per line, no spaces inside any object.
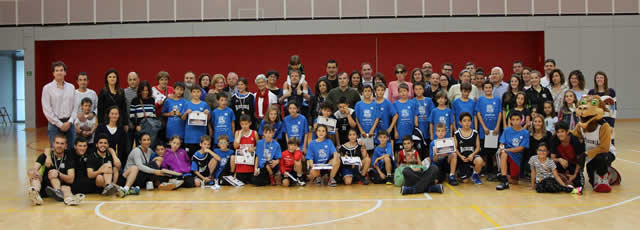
{"x":502,"y":186}
{"x":54,"y":193}
{"x":463,"y":176}
{"x":71,"y":201}
{"x":436,"y":188}
{"x":405,"y":190}
{"x":577,"y":191}
{"x":34,"y":196}
{"x":272,"y":180}
{"x":389,"y":181}
{"x":79,"y":196}
{"x":122,"y":192}
{"x":492,"y":177}
{"x":166,"y":186}
{"x":365,"y":180}
{"x":177,"y":183}
{"x":300,"y":181}
{"x":452,"y":180}
{"x":109,"y":190}
{"x":215,"y":187}
{"x":476,"y":179}
{"x":332,"y":182}
{"x":211,"y":182}
{"x":317,"y":181}
{"x":134,"y":191}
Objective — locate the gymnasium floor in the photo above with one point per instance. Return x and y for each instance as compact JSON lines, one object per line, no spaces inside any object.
{"x":318,"y":207}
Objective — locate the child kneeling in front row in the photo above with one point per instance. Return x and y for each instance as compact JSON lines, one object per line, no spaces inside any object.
{"x":322,"y":151}
{"x":268,"y":152}
{"x":290,"y":162}
{"x":383,"y":160}
{"x":546,"y":179}
{"x":203,"y":162}
{"x":443,"y":161}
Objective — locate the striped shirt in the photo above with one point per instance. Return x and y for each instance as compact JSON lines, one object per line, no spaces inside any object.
{"x":141,"y":108}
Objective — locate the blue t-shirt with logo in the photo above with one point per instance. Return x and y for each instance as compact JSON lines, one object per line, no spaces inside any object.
{"x":441,"y":116}
{"x":367,"y":115}
{"x":267,"y":151}
{"x":175,"y":124}
{"x":424,"y":111}
{"x":460,"y":106}
{"x":512,"y":138}
{"x":407,"y":112}
{"x":320,"y":152}
{"x":381,"y":151}
{"x":386,"y":111}
{"x":222,"y":120}
{"x":489,"y":109}
{"x":192,"y":133}
{"x":296,"y":127}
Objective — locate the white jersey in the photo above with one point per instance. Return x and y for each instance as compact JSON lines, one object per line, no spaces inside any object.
{"x":592,"y":140}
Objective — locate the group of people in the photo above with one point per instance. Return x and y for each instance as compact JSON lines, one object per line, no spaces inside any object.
{"x":350,"y":128}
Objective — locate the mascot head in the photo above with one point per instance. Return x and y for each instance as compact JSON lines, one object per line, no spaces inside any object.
{"x":590,"y":110}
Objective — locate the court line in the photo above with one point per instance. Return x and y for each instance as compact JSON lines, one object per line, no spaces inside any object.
{"x":99,"y":214}
{"x":428,"y":197}
{"x":247,"y":201}
{"x":454,"y":190}
{"x":567,"y":216}
{"x":628,"y":161}
{"x":483,"y":214}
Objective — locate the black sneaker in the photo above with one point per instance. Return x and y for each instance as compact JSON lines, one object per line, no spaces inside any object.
{"x":436,"y":188}
{"x":452,"y":180}
{"x":405,"y":190}
{"x":54,"y":193}
{"x":502,"y":186}
{"x":365,"y":180}
{"x":389,"y":180}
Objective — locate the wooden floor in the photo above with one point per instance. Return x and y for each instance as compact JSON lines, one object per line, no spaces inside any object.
{"x":315,"y":207}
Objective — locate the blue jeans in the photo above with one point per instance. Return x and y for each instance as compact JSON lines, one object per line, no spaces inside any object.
{"x":53,"y":130}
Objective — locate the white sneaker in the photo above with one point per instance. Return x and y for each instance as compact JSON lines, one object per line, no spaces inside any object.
{"x":216,"y":187}
{"x":34,"y":196}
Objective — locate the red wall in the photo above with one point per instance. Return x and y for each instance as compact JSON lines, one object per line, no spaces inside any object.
{"x":251,"y":55}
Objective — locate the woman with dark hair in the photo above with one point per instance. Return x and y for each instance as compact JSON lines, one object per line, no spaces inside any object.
{"x":141,"y":108}
{"x":417,"y":76}
{"x":114,"y":131}
{"x":516,"y":85}
{"x":401,"y":73}
{"x":272,"y":82}
{"x":557,"y":88}
{"x":444,"y":84}
{"x":355,"y":81}
{"x":112,"y":95}
{"x":204,"y":81}
{"x":379,"y":78}
{"x":322,"y":92}
{"x":576,"y":83}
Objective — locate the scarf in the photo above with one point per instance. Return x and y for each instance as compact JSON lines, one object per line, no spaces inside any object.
{"x":265,"y":103}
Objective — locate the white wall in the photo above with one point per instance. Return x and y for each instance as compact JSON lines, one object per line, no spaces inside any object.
{"x":7,"y":71}
{"x":589,"y":43}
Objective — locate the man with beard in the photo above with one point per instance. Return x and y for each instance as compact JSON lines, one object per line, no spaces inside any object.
{"x":56,"y":177}
{"x":102,"y":166}
{"x":189,"y":82}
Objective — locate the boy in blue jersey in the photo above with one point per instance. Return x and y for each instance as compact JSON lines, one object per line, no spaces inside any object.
{"x":464,"y":104}
{"x":223,"y":166}
{"x":383,"y":163}
{"x":367,"y":114}
{"x":268,"y":152}
{"x":296,"y":125}
{"x":425,"y":105}
{"x":192,"y":133}
{"x":513,"y":142}
{"x":443,"y":161}
{"x":407,"y":115}
{"x":322,"y":151}
{"x":388,"y":113}
{"x":172,"y":109}
{"x":203,"y":162}
{"x":489,"y":110}
{"x":222,"y":120}
{"x":441,"y":114}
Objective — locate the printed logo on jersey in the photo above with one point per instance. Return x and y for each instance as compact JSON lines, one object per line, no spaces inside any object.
{"x":367,"y":113}
{"x":516,"y":141}
{"x":322,"y":154}
{"x":295,"y":129}
{"x":422,"y":109}
{"x":221,"y":120}
{"x":442,"y":119}
{"x":490,"y":108}
{"x":223,"y":161}
{"x":404,"y":113}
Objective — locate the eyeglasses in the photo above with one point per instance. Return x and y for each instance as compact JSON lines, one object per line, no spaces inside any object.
{"x":447,"y":69}
{"x":542,"y":150}
{"x":400,"y":71}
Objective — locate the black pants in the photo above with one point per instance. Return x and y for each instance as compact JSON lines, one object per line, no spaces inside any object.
{"x":490,"y":157}
{"x":420,"y":180}
{"x":550,"y":185}
{"x":261,"y":179}
{"x":82,"y":185}
{"x":600,"y":164}
{"x":571,"y":169}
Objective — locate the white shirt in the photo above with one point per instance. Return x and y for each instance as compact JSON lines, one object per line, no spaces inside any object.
{"x":544,"y":81}
{"x":91,"y":95}
{"x":273,"y":99}
{"x":55,"y":102}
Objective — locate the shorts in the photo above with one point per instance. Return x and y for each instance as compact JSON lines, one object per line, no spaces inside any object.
{"x":514,"y":169}
{"x":244,"y":177}
{"x":83,"y":185}
{"x":349,"y":171}
{"x":261,"y":179}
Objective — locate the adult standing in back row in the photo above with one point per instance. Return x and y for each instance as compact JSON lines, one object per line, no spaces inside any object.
{"x":332,"y":74}
{"x":401,"y":74}
{"x":343,"y":90}
{"x":55,"y":97}
{"x":112,"y":95}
